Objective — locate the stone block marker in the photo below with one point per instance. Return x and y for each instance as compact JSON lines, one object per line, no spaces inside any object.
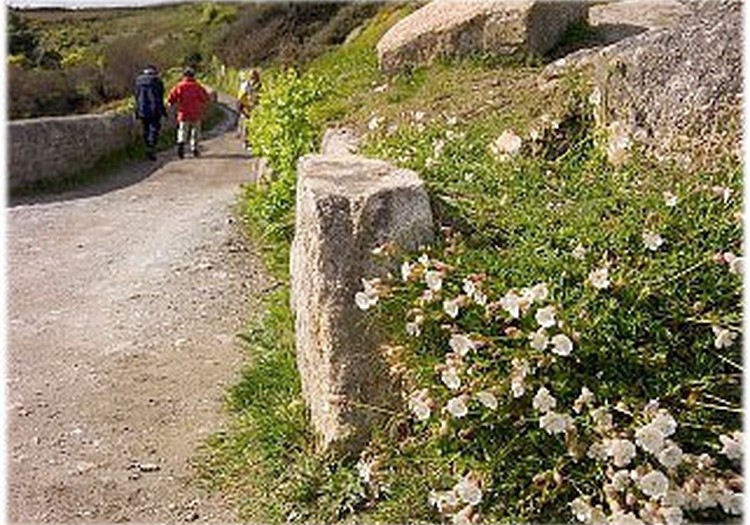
{"x":346,"y":206}
{"x":449,"y":28}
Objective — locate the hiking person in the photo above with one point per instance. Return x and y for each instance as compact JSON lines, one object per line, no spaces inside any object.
{"x":247,"y":99}
{"x":149,"y":107}
{"x":191,"y":99}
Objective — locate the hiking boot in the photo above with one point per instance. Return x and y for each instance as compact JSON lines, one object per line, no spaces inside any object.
{"x":196,"y":153}
{"x":150,"y":154}
{"x":181,"y":150}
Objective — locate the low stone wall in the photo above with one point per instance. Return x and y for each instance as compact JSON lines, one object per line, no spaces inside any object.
{"x":347,"y":205}
{"x":55,"y":147}
{"x":52,"y":147}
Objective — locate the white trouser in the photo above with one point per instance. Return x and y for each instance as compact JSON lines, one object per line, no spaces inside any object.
{"x":189,"y":131}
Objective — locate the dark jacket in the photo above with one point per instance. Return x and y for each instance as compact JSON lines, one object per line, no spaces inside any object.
{"x":149,"y":96}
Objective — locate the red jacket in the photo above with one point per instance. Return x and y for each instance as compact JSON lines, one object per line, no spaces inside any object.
{"x":191,"y":100}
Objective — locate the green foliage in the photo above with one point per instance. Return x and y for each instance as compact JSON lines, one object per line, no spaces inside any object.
{"x":280,"y":128}
{"x":516,"y":223}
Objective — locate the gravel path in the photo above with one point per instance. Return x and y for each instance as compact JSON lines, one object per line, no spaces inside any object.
{"x":123,"y":304}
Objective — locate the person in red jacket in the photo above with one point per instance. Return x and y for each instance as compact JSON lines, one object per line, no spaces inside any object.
{"x":191,"y":100}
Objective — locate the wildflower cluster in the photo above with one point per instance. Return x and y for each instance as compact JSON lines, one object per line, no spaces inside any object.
{"x":500,"y":359}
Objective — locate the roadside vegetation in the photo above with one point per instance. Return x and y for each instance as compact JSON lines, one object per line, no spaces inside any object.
{"x":77,"y":61}
{"x":569,"y":348}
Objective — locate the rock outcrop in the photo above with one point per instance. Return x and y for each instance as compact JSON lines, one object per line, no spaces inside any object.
{"x":449,"y":28}
{"x":347,"y":206}
{"x":674,"y":92}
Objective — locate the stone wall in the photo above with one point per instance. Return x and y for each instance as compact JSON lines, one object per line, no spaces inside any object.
{"x":54,"y":147}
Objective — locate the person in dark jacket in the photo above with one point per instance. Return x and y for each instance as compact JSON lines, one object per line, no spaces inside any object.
{"x":149,"y":107}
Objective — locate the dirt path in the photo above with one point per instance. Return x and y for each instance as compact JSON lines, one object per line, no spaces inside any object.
{"x":124,"y":302}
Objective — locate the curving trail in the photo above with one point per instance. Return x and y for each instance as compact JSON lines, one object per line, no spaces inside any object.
{"x":123,"y":304}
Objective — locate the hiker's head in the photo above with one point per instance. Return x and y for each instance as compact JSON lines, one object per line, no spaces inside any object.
{"x":254,"y":75}
{"x":150,"y":69}
{"x":189,"y":72}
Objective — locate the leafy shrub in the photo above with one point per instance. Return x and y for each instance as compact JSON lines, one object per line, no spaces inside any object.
{"x":281,"y":130}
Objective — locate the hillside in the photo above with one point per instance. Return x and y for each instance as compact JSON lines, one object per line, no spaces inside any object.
{"x":63,"y":62}
{"x":568,"y":349}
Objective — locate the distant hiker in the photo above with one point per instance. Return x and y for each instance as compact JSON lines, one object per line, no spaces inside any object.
{"x":191,"y":100}
{"x":149,"y":107}
{"x":247,"y":99}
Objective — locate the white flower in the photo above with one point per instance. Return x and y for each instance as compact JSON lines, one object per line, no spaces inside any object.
{"x":381,"y":88}
{"x":450,"y":378}
{"x":671,"y":455}
{"x":434,"y":280}
{"x":599,"y":278}
{"x":671,"y":515}
{"x":581,"y":509}
{"x":444,"y":501}
{"x":598,"y":451}
{"x":732,"y":446}
{"x":479,"y":298}
{"x":519,"y":370}
{"x":539,"y":292}
{"x":468,"y":489}
{"x":602,"y":419}
{"x":673,"y":498}
{"x":654,"y":484}
{"x":424,"y":260}
{"x":517,"y":388}
{"x":619,"y":518}
{"x":735,"y":266}
{"x":555,"y":423}
{"x":461,"y":344}
{"x":414,"y":328}
{"x":723,"y":192}
{"x":508,"y":143}
{"x":539,"y":339}
{"x":464,"y":517}
{"x":469,"y":287}
{"x":579,"y":252}
{"x":621,"y":480}
{"x":365,"y":301}
{"x":595,"y":98}
{"x":621,"y":450}
{"x":419,"y":404}
{"x":511,"y":303}
{"x":546,"y":316}
{"x":374,"y":123}
{"x":665,"y":423}
{"x":562,"y":345}
{"x":488,"y":399}
{"x":650,"y":438}
{"x":670,"y":199}
{"x":457,"y":406}
{"x":452,"y":120}
{"x":418,"y":116}
{"x":451,"y":307}
{"x":406,"y":270}
{"x":653,"y":241}
{"x":724,"y":338}
{"x":586,"y":397}
{"x":543,"y":400}
{"x":732,"y":504}
{"x":364,"y":469}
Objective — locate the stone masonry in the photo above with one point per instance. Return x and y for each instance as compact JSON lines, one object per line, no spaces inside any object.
{"x":346,"y":206}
